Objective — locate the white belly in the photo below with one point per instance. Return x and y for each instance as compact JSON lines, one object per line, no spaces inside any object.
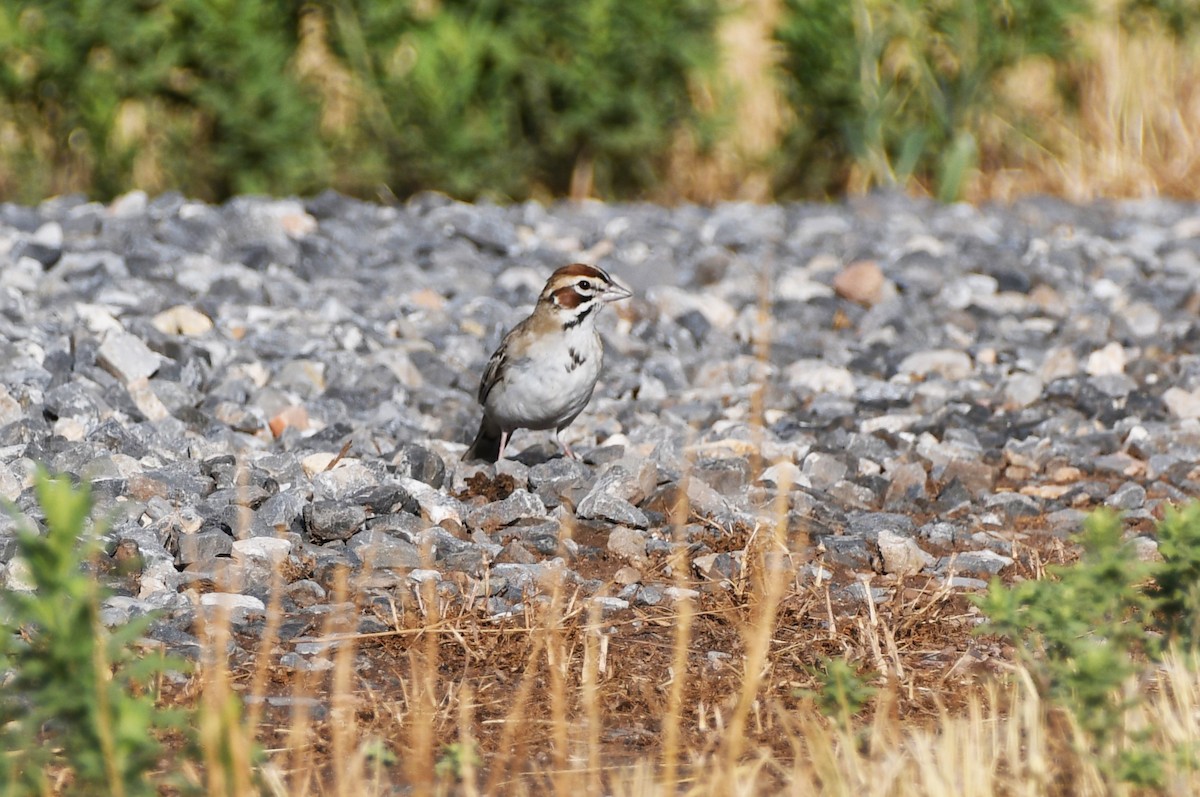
{"x":548,"y":388}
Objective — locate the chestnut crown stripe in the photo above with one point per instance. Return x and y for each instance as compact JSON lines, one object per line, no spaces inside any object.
{"x":581,"y":270}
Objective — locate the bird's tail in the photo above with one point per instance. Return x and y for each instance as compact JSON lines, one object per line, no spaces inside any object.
{"x":486,"y":446}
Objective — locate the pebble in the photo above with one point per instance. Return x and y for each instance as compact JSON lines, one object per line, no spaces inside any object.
{"x":242,"y":399}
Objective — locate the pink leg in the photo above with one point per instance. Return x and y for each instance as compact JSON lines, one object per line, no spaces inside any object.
{"x":566,"y":448}
{"x":503,"y":443}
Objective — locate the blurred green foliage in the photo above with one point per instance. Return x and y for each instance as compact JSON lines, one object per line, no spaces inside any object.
{"x":197,"y":89}
{"x":75,"y":696}
{"x":901,"y":89}
{"x":514,"y":99}
{"x":898,"y":86}
{"x":501,"y":98}
{"x":218,"y":97}
{"x":1088,"y":628}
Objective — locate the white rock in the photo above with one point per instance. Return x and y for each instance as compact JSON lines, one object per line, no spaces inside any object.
{"x":674,"y":302}
{"x":680,"y":593}
{"x":49,"y":234}
{"x":344,"y":479}
{"x":70,"y":429}
{"x":783,"y":473}
{"x":901,"y":555}
{"x":129,"y":205}
{"x":896,"y":422}
{"x":272,"y":550}
{"x":1107,"y":361}
{"x":420,"y":576}
{"x":1023,"y":390}
{"x":816,"y":376}
{"x":797,"y":286}
{"x":97,"y":319}
{"x":182,"y":320}
{"x":17,"y":576}
{"x":950,"y":364}
{"x":1059,"y":362}
{"x":1143,"y":320}
{"x":316,"y":463}
{"x":434,"y":505}
{"x":627,"y":543}
{"x":1183,"y":404}
{"x":147,"y":402}
{"x":607,"y":605}
{"x":232,"y":601}
{"x":127,"y":358}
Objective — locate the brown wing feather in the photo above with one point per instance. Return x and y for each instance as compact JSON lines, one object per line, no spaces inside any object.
{"x":492,"y":372}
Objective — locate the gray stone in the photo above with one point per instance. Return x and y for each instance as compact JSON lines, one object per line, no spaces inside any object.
{"x":975,"y":563}
{"x":977,"y":478}
{"x":277,"y":514}
{"x":627,"y":543}
{"x":1014,"y":505}
{"x":939,"y":533}
{"x":378,"y":549}
{"x":518,"y":506}
{"x":610,"y":508}
{"x":1022,"y":389}
{"x":420,"y":463}
{"x":852,"y":552}
{"x":851,"y":495}
{"x":203,"y":545}
{"x":823,"y":470}
{"x":907,"y":489}
{"x":1129,"y":495}
{"x":127,"y":358}
{"x":726,"y":475}
{"x":305,"y":593}
{"x":901,"y":555}
{"x":333,"y":520}
{"x":870,"y":525}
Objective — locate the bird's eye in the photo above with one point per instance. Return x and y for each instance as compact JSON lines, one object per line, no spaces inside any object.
{"x":586,"y":285}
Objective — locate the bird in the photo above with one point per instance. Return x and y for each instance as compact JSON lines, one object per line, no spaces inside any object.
{"x":544,"y":372}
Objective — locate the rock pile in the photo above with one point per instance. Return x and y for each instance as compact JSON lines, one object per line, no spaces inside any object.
{"x":286,"y":386}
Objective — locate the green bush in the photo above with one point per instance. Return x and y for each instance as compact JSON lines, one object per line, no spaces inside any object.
{"x":899,"y":86}
{"x":473,"y":98}
{"x":1088,"y":628}
{"x":507,"y":98}
{"x":75,"y":695}
{"x":186,"y":94}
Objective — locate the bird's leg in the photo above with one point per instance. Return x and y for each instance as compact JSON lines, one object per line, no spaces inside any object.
{"x":563,"y":444}
{"x":503,"y":443}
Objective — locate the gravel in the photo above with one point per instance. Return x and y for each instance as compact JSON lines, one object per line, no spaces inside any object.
{"x":289,"y":384}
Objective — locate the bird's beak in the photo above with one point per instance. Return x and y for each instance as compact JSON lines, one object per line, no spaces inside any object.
{"x":615,"y":293}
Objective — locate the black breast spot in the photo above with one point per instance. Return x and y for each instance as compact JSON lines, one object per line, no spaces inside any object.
{"x":577,"y":360}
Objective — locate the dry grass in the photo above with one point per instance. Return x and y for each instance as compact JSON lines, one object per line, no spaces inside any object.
{"x":705,"y":697}
{"x":1135,"y":131}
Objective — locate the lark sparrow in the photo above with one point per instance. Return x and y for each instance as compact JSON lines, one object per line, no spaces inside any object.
{"x":543,"y":374}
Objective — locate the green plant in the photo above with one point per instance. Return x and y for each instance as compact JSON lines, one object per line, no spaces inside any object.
{"x":900,"y":87}
{"x":503,"y":98}
{"x":842,"y":693}
{"x":77,"y":697}
{"x":1177,"y":577}
{"x":450,"y":763}
{"x":1082,"y":631}
{"x":186,"y":94}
